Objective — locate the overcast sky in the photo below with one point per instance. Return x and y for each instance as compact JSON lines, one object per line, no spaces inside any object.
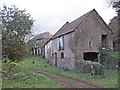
{"x":50,"y":15}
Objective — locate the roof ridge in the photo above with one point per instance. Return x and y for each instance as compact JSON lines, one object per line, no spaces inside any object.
{"x":84,"y":18}
{"x":67,"y":25}
{"x":75,"y":23}
{"x":40,"y":35}
{"x":60,"y":28}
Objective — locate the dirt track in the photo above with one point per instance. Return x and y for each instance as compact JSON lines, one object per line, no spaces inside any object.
{"x":66,"y":81}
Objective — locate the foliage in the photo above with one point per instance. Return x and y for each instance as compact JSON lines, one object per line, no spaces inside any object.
{"x":65,"y":69}
{"x":18,"y":75}
{"x":109,"y":58}
{"x":109,"y":53}
{"x":16,"y":24}
{"x":115,"y":4}
{"x":113,"y":24}
{"x":25,"y":77}
{"x":116,"y":35}
{"x":88,"y":66}
{"x":10,"y":68}
{"x":83,"y":66}
{"x":97,"y":69}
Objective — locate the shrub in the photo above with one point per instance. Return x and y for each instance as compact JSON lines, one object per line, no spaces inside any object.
{"x":10,"y":68}
{"x":109,"y":58}
{"x":45,"y":65}
{"x":98,"y":68}
{"x":94,"y":68}
{"x":65,"y":69}
{"x":83,"y":66}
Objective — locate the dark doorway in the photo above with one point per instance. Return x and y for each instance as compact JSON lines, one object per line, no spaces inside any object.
{"x":38,"y":52}
{"x":55,"y":59}
{"x":104,"y":41}
{"x":32,"y":51}
{"x":35,"y":51}
{"x":92,"y":56}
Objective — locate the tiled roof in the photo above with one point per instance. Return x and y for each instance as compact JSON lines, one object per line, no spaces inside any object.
{"x":70,"y":27}
{"x":42,"y":35}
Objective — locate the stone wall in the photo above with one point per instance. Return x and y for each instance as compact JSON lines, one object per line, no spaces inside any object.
{"x":88,"y":36}
{"x":68,"y":60}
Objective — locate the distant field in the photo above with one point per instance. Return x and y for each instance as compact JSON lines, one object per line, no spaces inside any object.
{"x":23,"y":77}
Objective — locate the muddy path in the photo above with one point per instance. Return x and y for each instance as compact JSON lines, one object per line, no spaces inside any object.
{"x":67,"y":81}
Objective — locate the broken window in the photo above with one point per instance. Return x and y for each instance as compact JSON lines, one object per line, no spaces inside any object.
{"x":90,"y":44}
{"x":62,"y":55}
{"x":92,"y":56}
{"x":104,"y":41}
{"x":52,"y":55}
{"x":61,"y":43}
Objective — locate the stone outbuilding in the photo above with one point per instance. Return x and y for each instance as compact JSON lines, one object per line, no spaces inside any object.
{"x":81,"y":39}
{"x":37,"y":42}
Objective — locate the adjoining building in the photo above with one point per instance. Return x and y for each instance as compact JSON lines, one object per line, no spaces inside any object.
{"x":37,"y":42}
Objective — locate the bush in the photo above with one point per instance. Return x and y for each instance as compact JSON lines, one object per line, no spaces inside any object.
{"x":94,"y":68}
{"x":65,"y":69}
{"x":109,"y":58}
{"x":10,"y":68}
{"x":83,"y":66}
{"x":98,"y":68}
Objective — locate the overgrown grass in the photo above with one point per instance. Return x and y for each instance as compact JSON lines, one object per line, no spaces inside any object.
{"x":26,"y":77}
{"x":29,"y":80}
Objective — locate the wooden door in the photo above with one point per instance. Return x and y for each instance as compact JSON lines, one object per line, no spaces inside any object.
{"x":55,"y":59}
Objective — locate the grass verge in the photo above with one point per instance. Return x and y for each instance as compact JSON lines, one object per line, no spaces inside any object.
{"x":27,"y":79}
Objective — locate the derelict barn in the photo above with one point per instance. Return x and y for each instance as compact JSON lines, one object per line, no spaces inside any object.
{"x":80,"y":39}
{"x":37,"y":42}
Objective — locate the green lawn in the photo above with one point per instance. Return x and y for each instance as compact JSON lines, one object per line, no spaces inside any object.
{"x":23,"y":77}
{"x":30,"y":80}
